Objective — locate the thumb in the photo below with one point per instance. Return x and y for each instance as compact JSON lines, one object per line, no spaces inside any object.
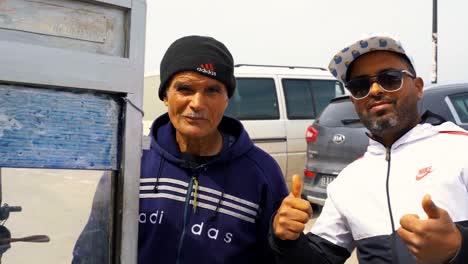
{"x":429,"y":207}
{"x":296,"y":186}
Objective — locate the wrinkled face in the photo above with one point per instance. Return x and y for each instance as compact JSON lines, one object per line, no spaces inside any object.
{"x":386,"y":112}
{"x":196,"y":104}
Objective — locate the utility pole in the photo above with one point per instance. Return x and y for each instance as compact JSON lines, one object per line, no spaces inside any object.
{"x":434,"y":41}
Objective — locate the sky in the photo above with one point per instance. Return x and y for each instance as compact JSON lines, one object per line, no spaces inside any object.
{"x":310,"y":32}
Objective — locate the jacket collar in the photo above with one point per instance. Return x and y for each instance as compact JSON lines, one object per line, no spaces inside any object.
{"x":163,"y":140}
{"x":418,"y":132}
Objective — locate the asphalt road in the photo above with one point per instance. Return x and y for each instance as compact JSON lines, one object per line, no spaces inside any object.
{"x":55,"y":203}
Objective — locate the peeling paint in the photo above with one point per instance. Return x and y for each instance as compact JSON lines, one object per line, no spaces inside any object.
{"x":46,"y":128}
{"x":8,"y":123}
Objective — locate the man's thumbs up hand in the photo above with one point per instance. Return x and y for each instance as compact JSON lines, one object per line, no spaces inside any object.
{"x":436,"y":239}
{"x":430,"y":208}
{"x":296,"y":189}
{"x":293,"y":214}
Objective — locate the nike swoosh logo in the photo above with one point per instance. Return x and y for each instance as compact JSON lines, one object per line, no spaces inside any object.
{"x":423,"y":173}
{"x":419,"y":177}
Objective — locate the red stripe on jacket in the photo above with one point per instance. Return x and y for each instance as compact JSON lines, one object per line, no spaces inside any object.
{"x":455,"y":132}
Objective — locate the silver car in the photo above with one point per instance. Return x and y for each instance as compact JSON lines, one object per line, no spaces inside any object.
{"x":334,"y":140}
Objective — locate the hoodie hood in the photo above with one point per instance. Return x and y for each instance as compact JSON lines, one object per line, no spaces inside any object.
{"x":418,"y":132}
{"x":163,"y":139}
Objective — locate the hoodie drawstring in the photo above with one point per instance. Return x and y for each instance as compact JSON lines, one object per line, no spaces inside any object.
{"x":161,"y":164}
{"x":195,"y":194}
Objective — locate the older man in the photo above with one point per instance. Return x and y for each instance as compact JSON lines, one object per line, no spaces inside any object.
{"x":207,"y":193}
{"x":406,"y":199}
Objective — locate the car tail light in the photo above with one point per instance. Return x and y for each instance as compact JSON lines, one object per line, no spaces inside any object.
{"x":311,"y":134}
{"x":309,"y":174}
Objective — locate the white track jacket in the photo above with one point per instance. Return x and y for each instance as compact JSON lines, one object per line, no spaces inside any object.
{"x":381,"y":186}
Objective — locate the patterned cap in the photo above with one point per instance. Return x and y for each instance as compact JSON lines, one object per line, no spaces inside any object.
{"x":339,"y":64}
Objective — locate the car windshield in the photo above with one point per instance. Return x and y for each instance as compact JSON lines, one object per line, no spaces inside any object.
{"x":460,"y":103}
{"x":339,"y":113}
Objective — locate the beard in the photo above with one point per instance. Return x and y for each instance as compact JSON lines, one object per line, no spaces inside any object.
{"x":379,"y":126}
{"x":399,"y":118}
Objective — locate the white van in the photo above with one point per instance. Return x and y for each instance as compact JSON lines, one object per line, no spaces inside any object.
{"x":276,"y":104}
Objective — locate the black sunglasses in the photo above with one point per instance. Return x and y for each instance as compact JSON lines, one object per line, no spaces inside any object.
{"x":389,"y":81}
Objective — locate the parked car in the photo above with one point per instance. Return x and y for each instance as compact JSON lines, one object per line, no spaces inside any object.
{"x":337,"y":137}
{"x":450,"y":101}
{"x":334,"y":140}
{"x":274,"y":103}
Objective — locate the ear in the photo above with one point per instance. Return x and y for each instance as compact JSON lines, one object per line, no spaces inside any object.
{"x":419,"y":84}
{"x":355,"y":105}
{"x":227,"y":104}
{"x":165,"y":100}
{"x":227,"y":96}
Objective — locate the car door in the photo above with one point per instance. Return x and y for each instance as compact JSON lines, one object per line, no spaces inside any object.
{"x":305,"y":98}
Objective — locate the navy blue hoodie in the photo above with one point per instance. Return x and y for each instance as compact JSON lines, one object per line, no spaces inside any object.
{"x":218,"y":212}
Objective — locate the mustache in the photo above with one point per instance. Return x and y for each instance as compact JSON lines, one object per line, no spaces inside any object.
{"x":195,"y":115}
{"x":380,"y":100}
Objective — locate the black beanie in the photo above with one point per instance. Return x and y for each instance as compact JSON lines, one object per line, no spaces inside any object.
{"x":203,"y":55}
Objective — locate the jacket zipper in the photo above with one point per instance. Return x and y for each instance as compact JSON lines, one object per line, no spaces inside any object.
{"x":186,"y":216}
{"x":392,"y":234}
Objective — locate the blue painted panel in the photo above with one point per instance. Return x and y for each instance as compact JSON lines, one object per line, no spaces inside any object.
{"x":47,"y":128}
